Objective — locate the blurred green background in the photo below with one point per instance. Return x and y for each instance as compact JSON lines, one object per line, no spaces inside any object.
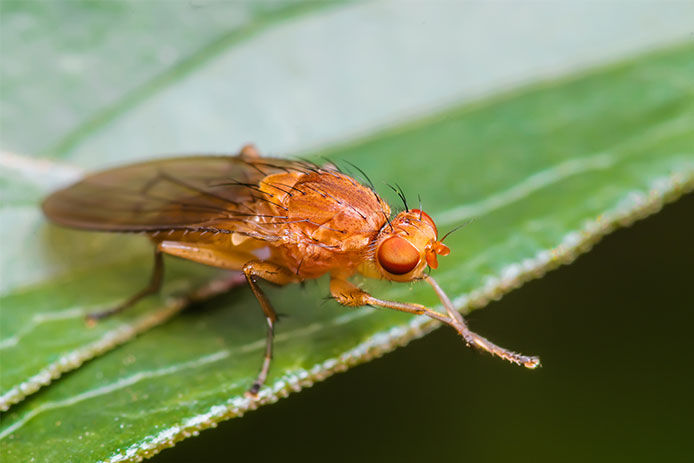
{"x":614,"y":330}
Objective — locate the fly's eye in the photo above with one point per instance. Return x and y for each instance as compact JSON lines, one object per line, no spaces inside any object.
{"x":423,"y":216}
{"x":397,"y":255}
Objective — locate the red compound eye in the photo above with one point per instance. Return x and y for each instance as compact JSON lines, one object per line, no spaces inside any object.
{"x":425,"y":218}
{"x":397,"y":255}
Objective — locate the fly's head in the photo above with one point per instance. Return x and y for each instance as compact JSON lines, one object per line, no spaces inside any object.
{"x":406,"y":246}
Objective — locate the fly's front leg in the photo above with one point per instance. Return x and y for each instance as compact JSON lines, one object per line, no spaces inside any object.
{"x":152,"y":288}
{"x":475,"y":339}
{"x":348,"y":294}
{"x":274,"y":274}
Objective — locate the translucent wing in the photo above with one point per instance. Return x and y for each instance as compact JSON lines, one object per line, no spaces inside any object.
{"x":196,"y":193}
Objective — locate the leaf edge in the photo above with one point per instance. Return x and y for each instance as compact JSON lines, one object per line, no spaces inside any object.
{"x":664,"y":190}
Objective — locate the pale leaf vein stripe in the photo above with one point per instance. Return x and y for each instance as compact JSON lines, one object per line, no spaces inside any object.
{"x":562,"y":171}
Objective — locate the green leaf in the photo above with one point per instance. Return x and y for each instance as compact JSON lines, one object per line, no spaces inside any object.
{"x":545,"y":171}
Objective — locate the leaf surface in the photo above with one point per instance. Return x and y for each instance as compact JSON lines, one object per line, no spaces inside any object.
{"x":545,"y":171}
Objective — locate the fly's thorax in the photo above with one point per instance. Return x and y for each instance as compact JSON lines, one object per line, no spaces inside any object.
{"x":325,"y":220}
{"x":406,"y":246}
{"x":327,"y":208}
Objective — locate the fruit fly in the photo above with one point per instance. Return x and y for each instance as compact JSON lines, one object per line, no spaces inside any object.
{"x":283,"y":221}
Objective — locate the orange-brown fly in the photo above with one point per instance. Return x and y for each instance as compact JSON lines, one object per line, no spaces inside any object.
{"x":304,"y":220}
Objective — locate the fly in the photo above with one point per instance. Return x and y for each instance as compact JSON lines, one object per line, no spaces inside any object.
{"x":303,"y":219}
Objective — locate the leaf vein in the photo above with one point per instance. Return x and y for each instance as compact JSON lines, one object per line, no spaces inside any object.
{"x":562,"y":171}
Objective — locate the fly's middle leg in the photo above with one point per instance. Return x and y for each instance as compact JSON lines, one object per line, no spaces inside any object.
{"x":274,"y":274}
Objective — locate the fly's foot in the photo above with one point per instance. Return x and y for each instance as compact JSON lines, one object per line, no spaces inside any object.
{"x":92,"y":318}
{"x":252,"y":393}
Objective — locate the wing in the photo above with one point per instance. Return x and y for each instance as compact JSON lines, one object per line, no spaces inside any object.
{"x":187,"y":193}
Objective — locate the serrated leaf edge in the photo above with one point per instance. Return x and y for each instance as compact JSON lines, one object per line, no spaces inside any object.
{"x":108,"y":341}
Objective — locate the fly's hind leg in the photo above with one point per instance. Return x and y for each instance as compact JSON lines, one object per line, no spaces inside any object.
{"x":201,"y":253}
{"x":274,"y":274}
{"x":249,"y":151}
{"x":152,"y":288}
